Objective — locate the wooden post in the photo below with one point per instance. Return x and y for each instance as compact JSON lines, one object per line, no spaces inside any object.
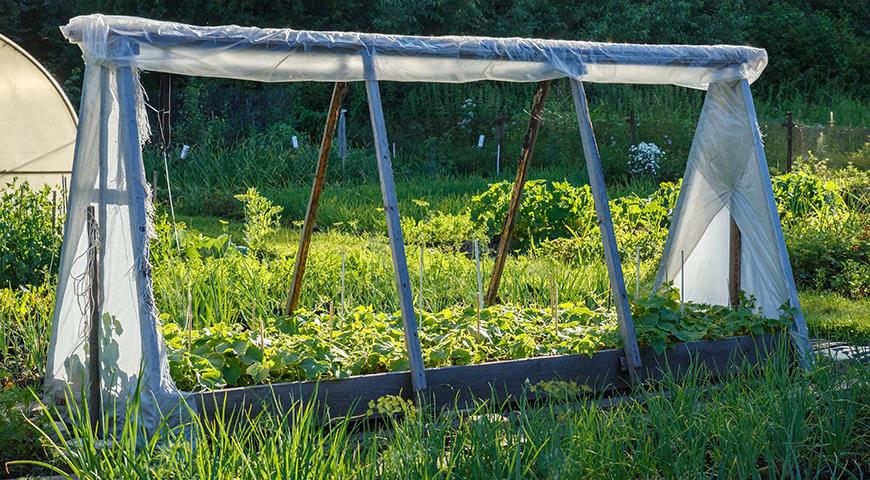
{"x":800,"y":334}
{"x":632,"y":127}
{"x":394,"y":227}
{"x":605,"y":223}
{"x":507,"y":232}
{"x":338,"y":93}
{"x":789,"y":125}
{"x":499,"y":138}
{"x":94,"y":300}
{"x":734,"y":264}
{"x":54,"y":209}
{"x":163,"y":110}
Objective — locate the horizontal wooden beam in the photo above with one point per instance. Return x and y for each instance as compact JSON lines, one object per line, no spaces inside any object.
{"x":505,"y":380}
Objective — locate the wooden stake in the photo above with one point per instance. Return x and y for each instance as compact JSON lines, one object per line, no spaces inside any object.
{"x":734,"y":264}
{"x":540,"y":97}
{"x":338,"y":93}
{"x":605,"y":224}
{"x":95,"y":300}
{"x":632,"y":127}
{"x":394,"y":227}
{"x":499,"y":134}
{"x":54,"y":208}
{"x":789,"y":125}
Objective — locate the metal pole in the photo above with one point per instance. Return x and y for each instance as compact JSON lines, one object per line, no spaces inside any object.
{"x":540,"y":97}
{"x":343,"y":307}
{"x":479,"y":276}
{"x":338,"y":93}
{"x":394,"y":227}
{"x":637,"y":274}
{"x":605,"y":224}
{"x":682,"y":281}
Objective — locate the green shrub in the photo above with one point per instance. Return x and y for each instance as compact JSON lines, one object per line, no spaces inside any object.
{"x":30,"y":235}
{"x":559,"y":219}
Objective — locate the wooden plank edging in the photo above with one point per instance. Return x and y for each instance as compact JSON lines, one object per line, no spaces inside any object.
{"x":503,"y":380}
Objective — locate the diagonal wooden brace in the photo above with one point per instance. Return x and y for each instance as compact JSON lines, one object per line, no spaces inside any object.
{"x":338,"y":94}
{"x":510,"y":222}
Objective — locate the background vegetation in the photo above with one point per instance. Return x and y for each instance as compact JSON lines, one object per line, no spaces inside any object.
{"x":241,"y":194}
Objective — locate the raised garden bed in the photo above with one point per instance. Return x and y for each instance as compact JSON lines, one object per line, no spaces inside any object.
{"x":601,"y":372}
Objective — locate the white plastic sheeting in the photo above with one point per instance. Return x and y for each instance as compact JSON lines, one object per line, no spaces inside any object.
{"x":37,"y":122}
{"x":273,"y":55}
{"x":725,"y":175}
{"x":108,"y":174}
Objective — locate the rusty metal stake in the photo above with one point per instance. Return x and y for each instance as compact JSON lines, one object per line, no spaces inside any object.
{"x":540,"y":97}
{"x":338,"y":94}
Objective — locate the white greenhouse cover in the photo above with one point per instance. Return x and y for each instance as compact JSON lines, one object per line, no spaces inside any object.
{"x":726,"y":172}
{"x":37,"y":122}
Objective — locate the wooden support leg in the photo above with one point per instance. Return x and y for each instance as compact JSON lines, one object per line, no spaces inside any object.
{"x":800,"y":334}
{"x":95,"y":403}
{"x":507,"y":232}
{"x":605,"y":223}
{"x":734,"y":264}
{"x":338,"y":94}
{"x":394,"y":229}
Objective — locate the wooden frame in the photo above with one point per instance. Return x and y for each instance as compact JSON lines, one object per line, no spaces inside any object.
{"x":462,"y":386}
{"x":800,"y":334}
{"x":603,"y":371}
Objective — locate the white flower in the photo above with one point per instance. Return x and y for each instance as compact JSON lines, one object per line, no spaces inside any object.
{"x":645,"y":159}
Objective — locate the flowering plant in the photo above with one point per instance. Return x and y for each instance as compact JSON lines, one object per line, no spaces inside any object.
{"x":645,"y":159}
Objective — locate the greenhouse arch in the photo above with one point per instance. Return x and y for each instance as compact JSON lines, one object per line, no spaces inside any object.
{"x":726,"y":226}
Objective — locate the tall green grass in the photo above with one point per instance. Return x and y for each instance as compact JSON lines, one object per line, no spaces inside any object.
{"x":776,"y":422}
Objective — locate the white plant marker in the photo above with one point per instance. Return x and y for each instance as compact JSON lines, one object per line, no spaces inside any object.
{"x":498,"y":159}
{"x":394,"y":149}
{"x":479,"y":282}
{"x":295,"y":142}
{"x":184,"y":151}
{"x":480,"y":141}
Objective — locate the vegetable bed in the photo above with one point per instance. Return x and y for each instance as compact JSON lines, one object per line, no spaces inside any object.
{"x":323,"y":345}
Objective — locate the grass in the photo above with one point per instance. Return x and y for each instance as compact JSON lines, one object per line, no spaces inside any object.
{"x":832,"y":316}
{"x":776,"y":423}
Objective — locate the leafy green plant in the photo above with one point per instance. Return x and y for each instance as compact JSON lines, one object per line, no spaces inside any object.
{"x":261,"y":219}
{"x":660,"y":320}
{"x":30,"y":235}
